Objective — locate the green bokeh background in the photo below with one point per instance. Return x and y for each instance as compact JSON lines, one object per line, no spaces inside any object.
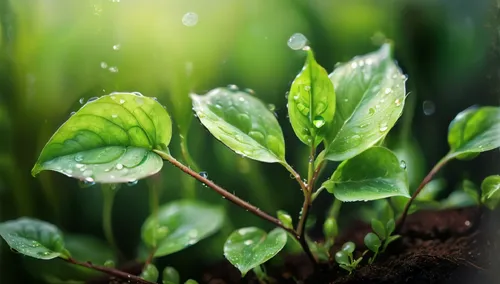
{"x":52,"y":54}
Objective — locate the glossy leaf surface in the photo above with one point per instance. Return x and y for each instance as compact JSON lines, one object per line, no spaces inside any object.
{"x":242,"y":122}
{"x":490,"y":191}
{"x":473,"y":131}
{"x":374,"y":174}
{"x":370,"y":94}
{"x":109,"y":140}
{"x":181,"y":224}
{"x":249,"y":247}
{"x":34,"y":238}
{"x":311,"y":101}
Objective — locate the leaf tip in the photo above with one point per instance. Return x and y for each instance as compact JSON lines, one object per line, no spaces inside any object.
{"x":37,"y":168}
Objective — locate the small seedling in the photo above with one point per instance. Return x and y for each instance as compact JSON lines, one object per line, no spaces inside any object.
{"x":345,"y":257}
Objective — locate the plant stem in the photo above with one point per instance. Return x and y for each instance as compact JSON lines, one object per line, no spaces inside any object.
{"x":226,"y":194}
{"x":317,"y":193}
{"x":110,"y":271}
{"x":303,"y":186}
{"x":335,"y":209}
{"x":425,"y":181}
{"x":108,"y":195}
{"x":190,"y":186}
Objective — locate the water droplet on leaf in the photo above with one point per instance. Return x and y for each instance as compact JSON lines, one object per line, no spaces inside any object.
{"x":113,"y":69}
{"x":402,"y":164}
{"x":383,"y":127}
{"x":297,"y":41}
{"x":82,"y":101}
{"x":104,"y":65}
{"x":190,"y":19}
{"x":371,"y":111}
{"x":119,"y":166}
{"x":116,"y":46}
{"x":271,"y":107}
{"x":318,"y":121}
{"x":233,"y":87}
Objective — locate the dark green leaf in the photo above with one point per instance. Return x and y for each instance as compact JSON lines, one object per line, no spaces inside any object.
{"x":243,"y":123}
{"x":473,"y":131}
{"x":470,"y":188}
{"x":311,"y":101}
{"x":285,"y":218}
{"x":379,"y":228}
{"x":109,"y":140}
{"x":34,"y":238}
{"x":171,"y":276}
{"x":330,"y":228}
{"x":490,"y":191}
{"x":370,"y":93}
{"x":249,"y":247}
{"x":181,"y":224}
{"x":373,"y":174}
{"x":150,"y":273}
{"x":372,"y":242}
{"x":390,"y":226}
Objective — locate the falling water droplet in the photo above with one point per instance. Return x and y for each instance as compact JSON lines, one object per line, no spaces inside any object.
{"x":190,"y":19}
{"x":318,"y":121}
{"x":297,"y":41}
{"x":402,"y":164}
{"x":428,"y":107}
{"x":203,"y":174}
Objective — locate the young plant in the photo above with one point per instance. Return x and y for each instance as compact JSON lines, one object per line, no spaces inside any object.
{"x":341,"y":117}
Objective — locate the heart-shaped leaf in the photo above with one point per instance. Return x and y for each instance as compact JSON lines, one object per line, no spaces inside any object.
{"x":34,"y":238}
{"x":109,"y":140}
{"x":374,"y":174}
{"x":370,"y":93}
{"x":490,"y":191}
{"x":311,"y":101}
{"x":473,"y":131}
{"x":181,"y":224}
{"x":247,"y":248}
{"x":242,"y":122}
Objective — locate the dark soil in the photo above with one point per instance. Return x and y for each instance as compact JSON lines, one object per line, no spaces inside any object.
{"x":451,"y":246}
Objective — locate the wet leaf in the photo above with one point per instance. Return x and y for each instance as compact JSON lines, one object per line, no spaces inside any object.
{"x":109,"y":140}
{"x":242,"y":122}
{"x":370,"y":93}
{"x":249,"y":247}
{"x":490,"y":191}
{"x":34,"y":238}
{"x":311,"y":101}
{"x":372,"y":175}
{"x":181,"y":224}
{"x":473,"y":131}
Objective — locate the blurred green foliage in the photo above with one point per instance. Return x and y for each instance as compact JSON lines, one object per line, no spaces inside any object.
{"x":52,"y":53}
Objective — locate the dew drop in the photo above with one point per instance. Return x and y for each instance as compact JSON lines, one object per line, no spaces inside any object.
{"x":132,"y":182}
{"x":113,"y":69}
{"x":297,"y":41}
{"x":104,"y":65}
{"x":116,"y":46}
{"x":271,"y":107}
{"x":249,"y":91}
{"x":82,"y":101}
{"x":190,"y":19}
{"x":387,"y":91}
{"x":354,"y":65}
{"x":79,"y":166}
{"x":233,"y":87}
{"x":402,"y":164}
{"x":87,"y":173}
{"x":72,"y":113}
{"x":92,"y":99}
{"x":114,"y":115}
{"x":318,"y":121}
{"x":119,"y":166}
{"x":397,"y":102}
{"x":138,"y":94}
{"x":203,"y":174}
{"x":383,"y":127}
{"x":428,"y":107}
{"x":248,"y":242}
{"x":371,"y":111}
{"x":307,"y":88}
{"x":122,"y":101}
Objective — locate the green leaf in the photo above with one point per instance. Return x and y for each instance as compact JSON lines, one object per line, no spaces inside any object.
{"x":330,"y":228}
{"x":249,"y":247}
{"x":379,"y":228}
{"x":390,"y":227}
{"x":370,"y":92}
{"x":34,"y":238}
{"x":311,"y":102}
{"x":243,"y":123}
{"x":473,"y":131}
{"x":470,"y":188}
{"x":81,"y":247}
{"x":458,"y":199}
{"x":150,"y":273}
{"x":342,"y":257}
{"x":171,"y":276}
{"x":109,"y":140}
{"x":181,"y":224}
{"x":389,"y":240}
{"x":372,"y":242}
{"x":373,"y":174}
{"x":348,"y":247}
{"x":285,"y":218}
{"x":490,"y":191}
{"x":432,"y":190}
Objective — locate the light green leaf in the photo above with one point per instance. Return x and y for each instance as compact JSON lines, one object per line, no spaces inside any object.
{"x":473,"y":131}
{"x":150,"y":273}
{"x":311,"y":101}
{"x":34,"y":238}
{"x":370,"y":92}
{"x":285,"y":219}
{"x":181,"y":224}
{"x":242,"y":122}
{"x":373,"y":174}
{"x":249,"y":247}
{"x":490,"y":191}
{"x":379,"y":229}
{"x":372,"y":242}
{"x":109,"y":140}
